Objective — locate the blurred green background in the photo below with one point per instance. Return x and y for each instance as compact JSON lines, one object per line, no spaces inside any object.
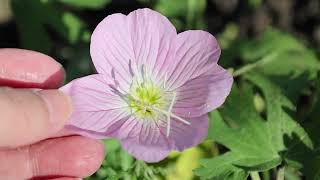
{"x":279,"y":39}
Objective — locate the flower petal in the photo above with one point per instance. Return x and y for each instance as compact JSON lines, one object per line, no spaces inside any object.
{"x":196,"y":53}
{"x":183,"y":136}
{"x":144,"y":140}
{"x":152,"y":36}
{"x":124,"y":44}
{"x":98,"y":110}
{"x":111,"y":48}
{"x":203,"y":94}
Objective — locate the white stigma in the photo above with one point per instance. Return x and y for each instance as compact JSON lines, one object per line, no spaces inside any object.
{"x":169,"y":115}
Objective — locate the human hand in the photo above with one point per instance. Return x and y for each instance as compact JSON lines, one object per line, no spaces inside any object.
{"x":31,"y":146}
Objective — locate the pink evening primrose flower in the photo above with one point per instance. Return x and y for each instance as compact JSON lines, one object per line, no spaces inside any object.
{"x":154,"y":87}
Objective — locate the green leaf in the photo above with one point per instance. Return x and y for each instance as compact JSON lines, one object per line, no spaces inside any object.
{"x":221,"y":167}
{"x":295,"y":145}
{"x":89,"y":4}
{"x":255,"y":143}
{"x":290,"y":56}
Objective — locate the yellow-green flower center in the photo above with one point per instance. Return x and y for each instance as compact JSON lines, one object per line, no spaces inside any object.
{"x":150,"y":101}
{"x":144,"y":98}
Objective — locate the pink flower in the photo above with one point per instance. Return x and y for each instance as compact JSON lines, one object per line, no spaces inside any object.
{"x":154,"y":87}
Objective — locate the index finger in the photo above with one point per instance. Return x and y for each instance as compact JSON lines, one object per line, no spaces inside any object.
{"x":29,"y":69}
{"x":28,"y":116}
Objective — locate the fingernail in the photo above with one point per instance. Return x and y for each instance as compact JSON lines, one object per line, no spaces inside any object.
{"x":59,"y":106}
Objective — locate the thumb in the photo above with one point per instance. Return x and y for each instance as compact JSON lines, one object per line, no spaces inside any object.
{"x":28,"y":116}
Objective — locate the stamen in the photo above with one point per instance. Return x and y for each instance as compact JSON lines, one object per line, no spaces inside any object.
{"x":113,"y":74}
{"x":130,"y":68}
{"x":169,"y":110}
{"x":143,"y":72}
{"x":116,"y":85}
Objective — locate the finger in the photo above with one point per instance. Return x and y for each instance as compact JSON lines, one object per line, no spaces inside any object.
{"x":73,"y":156}
{"x":28,"y":116}
{"x":28,"y":69}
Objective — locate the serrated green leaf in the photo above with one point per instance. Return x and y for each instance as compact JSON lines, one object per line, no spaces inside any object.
{"x":295,"y":145}
{"x":255,"y":144}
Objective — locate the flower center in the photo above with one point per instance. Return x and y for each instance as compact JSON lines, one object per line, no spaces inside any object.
{"x":145,"y":97}
{"x":147,"y":100}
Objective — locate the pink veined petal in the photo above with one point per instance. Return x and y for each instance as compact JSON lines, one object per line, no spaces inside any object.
{"x":183,"y":136}
{"x":196,"y":52}
{"x":152,"y":37}
{"x":144,"y":140}
{"x":98,"y":110}
{"x":121,"y":45}
{"x":203,"y":94}
{"x":111,"y":48}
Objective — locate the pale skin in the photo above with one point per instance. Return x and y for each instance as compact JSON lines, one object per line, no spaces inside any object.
{"x":33,"y":143}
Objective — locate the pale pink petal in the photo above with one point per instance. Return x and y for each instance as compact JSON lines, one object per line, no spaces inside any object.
{"x":196,"y":53}
{"x":183,"y":136}
{"x":124,"y":45}
{"x":203,"y":94}
{"x":98,"y":109}
{"x":152,"y":36}
{"x":144,"y":140}
{"x":111,"y":48}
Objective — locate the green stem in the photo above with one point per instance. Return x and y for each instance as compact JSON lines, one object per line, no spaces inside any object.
{"x":255,"y":175}
{"x":249,"y":67}
{"x":280,"y":175}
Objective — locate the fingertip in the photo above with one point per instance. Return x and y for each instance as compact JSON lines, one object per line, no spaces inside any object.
{"x":21,"y":68}
{"x":92,"y":157}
